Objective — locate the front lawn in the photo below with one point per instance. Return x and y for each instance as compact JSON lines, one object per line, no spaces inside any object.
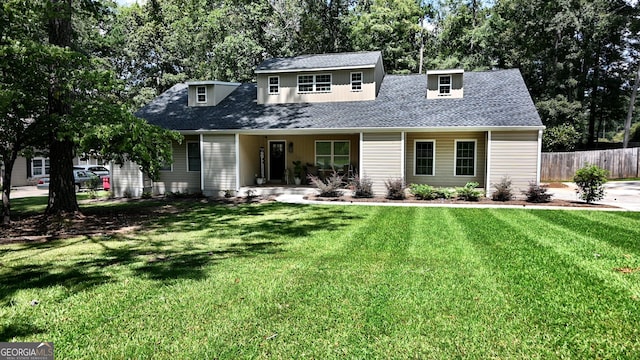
{"x":205,"y":281}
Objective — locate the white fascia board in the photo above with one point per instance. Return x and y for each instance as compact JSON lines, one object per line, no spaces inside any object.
{"x":445,"y":72}
{"x":212,"y":82}
{"x":334,"y":68}
{"x":307,"y":131}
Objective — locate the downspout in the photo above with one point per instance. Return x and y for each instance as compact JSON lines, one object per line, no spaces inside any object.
{"x":402,"y":157}
{"x":539,"y":165}
{"x":237,"y":163}
{"x":201,"y":163}
{"x":487,"y":182}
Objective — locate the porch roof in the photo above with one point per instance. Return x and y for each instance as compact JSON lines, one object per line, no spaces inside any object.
{"x":491,"y":99}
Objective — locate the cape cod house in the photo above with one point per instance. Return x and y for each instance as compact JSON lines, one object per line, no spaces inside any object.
{"x":340,"y":111}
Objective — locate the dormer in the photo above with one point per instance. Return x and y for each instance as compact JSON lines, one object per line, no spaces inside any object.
{"x":209,"y":93}
{"x":445,"y":84}
{"x":320,"y":78}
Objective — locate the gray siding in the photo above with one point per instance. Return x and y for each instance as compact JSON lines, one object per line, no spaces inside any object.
{"x":457,"y":86}
{"x":178,"y":179}
{"x":381,"y":158}
{"x":215,"y":93}
{"x":20,"y":172}
{"x":218,"y":164}
{"x":444,"y":170}
{"x":126,"y":178}
{"x":514,"y":154}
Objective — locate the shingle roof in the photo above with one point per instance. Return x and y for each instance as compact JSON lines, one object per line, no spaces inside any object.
{"x":321,"y":61}
{"x":491,"y":99}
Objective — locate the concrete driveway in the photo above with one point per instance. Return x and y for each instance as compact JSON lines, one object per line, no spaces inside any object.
{"x":27,"y":191}
{"x":623,"y":194}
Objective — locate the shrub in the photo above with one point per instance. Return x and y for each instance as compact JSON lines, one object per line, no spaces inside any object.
{"x":445,"y":193}
{"x":469,"y":192}
{"x":395,"y":189}
{"x":229,"y":193}
{"x":250,"y":195}
{"x":147,"y":195}
{"x":590,"y":180}
{"x":423,"y":191}
{"x":537,"y":193}
{"x":328,"y":188}
{"x":503,"y":190}
{"x":362,"y":187}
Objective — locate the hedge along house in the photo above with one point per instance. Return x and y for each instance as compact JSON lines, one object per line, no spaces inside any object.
{"x":340,"y":111}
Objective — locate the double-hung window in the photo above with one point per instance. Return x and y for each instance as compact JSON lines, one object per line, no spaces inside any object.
{"x":193,"y":156}
{"x":425,"y":157}
{"x":274,"y":85}
{"x":201,"y":94}
{"x":356,"y":81}
{"x":314,"y":83}
{"x":39,"y":166}
{"x":444,"y":85}
{"x":332,"y":154}
{"x":465,"y":158}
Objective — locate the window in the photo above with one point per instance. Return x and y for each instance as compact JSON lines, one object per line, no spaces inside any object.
{"x":39,"y":166}
{"x":332,"y":154}
{"x":201,"y":92}
{"x":356,"y":81}
{"x":465,"y":158}
{"x":314,"y":83}
{"x":274,"y":85}
{"x":425,"y":157}
{"x":444,"y":85}
{"x":193,"y":156}
{"x":167,"y":165}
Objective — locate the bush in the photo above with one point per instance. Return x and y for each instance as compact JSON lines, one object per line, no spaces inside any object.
{"x":590,"y":180}
{"x":469,"y":192}
{"x":445,"y":193}
{"x":537,"y":193}
{"x":423,"y":191}
{"x":395,"y":189}
{"x":362,"y":187}
{"x":328,"y":188}
{"x":503,"y":190}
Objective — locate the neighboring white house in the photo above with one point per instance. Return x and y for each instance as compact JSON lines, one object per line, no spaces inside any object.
{"x":340,"y":111}
{"x":27,"y":171}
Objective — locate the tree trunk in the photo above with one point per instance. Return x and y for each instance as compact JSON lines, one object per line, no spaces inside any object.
{"x":594,"y":101}
{"x":62,"y":197}
{"x":6,"y":188}
{"x":632,"y":103}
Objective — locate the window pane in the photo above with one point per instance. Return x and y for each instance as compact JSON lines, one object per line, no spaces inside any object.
{"x":339,"y":162}
{"x":323,"y":162}
{"x":323,"y":148}
{"x":465,"y":153}
{"x":341,"y":148}
{"x":323,"y":78}
{"x":37,"y":162}
{"x":424,"y":158}
{"x":193,"y":154}
{"x":273,"y":80}
{"x":445,"y":80}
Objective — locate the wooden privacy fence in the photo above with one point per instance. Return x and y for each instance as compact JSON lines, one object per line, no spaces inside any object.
{"x":621,"y":163}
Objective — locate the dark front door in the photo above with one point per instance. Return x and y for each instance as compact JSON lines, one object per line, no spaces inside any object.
{"x":276,"y":160}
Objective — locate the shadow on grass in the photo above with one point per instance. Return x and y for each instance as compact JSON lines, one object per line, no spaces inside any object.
{"x":205,"y":235}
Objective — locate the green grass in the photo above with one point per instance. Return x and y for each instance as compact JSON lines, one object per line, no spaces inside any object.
{"x":288,"y":281}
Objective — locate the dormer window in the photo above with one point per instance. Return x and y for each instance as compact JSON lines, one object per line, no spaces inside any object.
{"x":444,"y":85}
{"x":314,"y":83}
{"x":356,"y":81}
{"x":274,"y":85}
{"x":201,"y":94}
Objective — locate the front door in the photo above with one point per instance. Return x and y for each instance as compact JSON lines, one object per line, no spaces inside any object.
{"x":276,"y":160}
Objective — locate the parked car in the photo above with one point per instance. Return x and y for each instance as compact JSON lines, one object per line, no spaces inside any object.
{"x":96,"y":169}
{"x":80,"y":178}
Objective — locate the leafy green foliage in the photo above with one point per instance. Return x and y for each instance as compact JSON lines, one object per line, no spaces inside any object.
{"x":422,"y":191}
{"x":503,"y":190}
{"x":469,"y":192}
{"x":537,"y":193}
{"x":395,"y":189}
{"x":590,"y":180}
{"x":560,"y":138}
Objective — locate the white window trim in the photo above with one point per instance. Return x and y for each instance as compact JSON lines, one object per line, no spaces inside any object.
{"x":198,"y":94}
{"x":475,"y":157}
{"x":314,"y":84}
{"x":415,"y":156}
{"x":187,"y":155}
{"x":269,"y":85}
{"x":360,"y":81}
{"x":440,"y":93}
{"x":43,"y":167}
{"x":315,"y":151}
